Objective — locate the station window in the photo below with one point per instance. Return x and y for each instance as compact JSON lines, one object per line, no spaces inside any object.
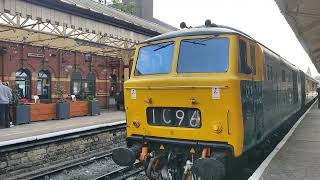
{"x":23,"y":80}
{"x":76,"y":85}
{"x":43,"y":85}
{"x":283,"y":76}
{"x":253,"y":58}
{"x":242,"y":56}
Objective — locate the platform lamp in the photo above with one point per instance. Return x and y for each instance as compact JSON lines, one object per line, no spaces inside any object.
{"x":88,"y":58}
{"x":3,"y":50}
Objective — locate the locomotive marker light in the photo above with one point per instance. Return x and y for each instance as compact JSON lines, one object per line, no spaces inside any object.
{"x":217,"y":128}
{"x":136,"y":123}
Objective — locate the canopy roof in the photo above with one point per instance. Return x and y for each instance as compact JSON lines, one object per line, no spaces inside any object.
{"x":304,"y":18}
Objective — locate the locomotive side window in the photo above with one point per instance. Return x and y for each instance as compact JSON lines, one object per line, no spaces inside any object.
{"x":268,"y":72}
{"x":271,"y":73}
{"x":283,"y":76}
{"x":253,"y":58}
{"x":242,"y":56}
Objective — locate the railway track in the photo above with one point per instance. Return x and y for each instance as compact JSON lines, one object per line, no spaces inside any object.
{"x":70,"y":166}
{"x":95,"y":163}
{"x":122,"y":173}
{"x":118,"y":174}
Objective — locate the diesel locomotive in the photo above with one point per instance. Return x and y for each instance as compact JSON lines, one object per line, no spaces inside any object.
{"x":200,"y":97}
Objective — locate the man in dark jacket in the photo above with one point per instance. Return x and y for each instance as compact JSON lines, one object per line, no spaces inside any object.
{"x":5,"y":99}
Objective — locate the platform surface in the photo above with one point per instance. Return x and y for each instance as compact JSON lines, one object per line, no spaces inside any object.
{"x":299,"y":157}
{"x":45,"y":127}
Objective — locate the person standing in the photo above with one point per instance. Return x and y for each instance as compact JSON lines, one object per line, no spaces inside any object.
{"x":318,"y":91}
{"x":5,"y":99}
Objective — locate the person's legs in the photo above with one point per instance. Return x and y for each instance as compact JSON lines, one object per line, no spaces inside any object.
{"x":2,"y":116}
{"x":7,"y":118}
{"x":14,"y":115}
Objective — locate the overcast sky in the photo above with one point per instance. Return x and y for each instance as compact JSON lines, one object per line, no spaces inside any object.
{"x":261,"y":19}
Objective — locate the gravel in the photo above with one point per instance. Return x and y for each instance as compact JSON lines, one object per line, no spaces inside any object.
{"x":86,"y":172}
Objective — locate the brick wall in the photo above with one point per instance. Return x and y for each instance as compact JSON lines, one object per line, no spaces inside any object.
{"x":18,"y":163}
{"x":60,"y":64}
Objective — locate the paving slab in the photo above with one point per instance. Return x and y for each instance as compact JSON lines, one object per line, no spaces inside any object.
{"x":299,"y":157}
{"x":45,"y":127}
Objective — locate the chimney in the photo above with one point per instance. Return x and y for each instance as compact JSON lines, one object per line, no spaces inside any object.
{"x":143,"y":8}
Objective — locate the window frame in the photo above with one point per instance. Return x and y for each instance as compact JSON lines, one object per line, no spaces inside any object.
{"x":40,"y":80}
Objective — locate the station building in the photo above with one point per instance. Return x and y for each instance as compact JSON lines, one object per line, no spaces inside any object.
{"x":37,"y":70}
{"x":82,"y":45}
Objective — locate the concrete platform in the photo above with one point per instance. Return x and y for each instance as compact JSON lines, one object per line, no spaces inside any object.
{"x":52,"y":127}
{"x":297,"y":156}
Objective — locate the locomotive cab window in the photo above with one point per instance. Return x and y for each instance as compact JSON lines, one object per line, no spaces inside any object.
{"x":155,"y":59}
{"x":203,"y":55}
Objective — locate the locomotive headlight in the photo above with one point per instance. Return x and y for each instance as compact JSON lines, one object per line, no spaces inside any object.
{"x":136,"y":123}
{"x":217,"y":128}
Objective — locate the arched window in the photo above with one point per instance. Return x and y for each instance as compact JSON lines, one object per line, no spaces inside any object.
{"x":43,"y":85}
{"x":23,"y":79}
{"x":76,"y":85}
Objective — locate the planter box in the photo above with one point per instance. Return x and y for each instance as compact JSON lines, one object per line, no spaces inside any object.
{"x":79,"y":108}
{"x":23,"y":115}
{"x":63,"y":110}
{"x":94,"y":108}
{"x":42,"y":112}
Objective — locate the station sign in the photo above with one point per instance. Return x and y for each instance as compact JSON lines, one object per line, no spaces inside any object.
{"x":35,"y":55}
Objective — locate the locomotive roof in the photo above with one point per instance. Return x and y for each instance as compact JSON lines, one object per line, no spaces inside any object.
{"x":217,"y":30}
{"x":197,"y":31}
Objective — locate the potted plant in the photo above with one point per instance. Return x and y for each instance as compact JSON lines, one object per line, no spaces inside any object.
{"x":93,"y":106}
{"x":62,"y":105}
{"x":21,"y":108}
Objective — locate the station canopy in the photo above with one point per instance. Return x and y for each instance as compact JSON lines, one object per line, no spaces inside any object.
{"x":75,"y":25}
{"x":304,"y":18}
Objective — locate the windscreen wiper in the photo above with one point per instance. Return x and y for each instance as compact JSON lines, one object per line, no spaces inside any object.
{"x":199,"y":41}
{"x":164,"y":46}
{"x":194,"y":42}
